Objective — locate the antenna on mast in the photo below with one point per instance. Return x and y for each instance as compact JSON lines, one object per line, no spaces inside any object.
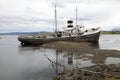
{"x":55,"y":19}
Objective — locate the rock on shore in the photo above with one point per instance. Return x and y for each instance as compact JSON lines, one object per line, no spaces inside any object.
{"x":97,"y":72}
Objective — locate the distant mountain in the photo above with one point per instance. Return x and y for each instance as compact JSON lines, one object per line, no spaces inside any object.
{"x":115,"y":29}
{"x":18,"y":33}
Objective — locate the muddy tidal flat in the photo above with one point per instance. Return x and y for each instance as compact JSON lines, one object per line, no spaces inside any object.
{"x":79,"y":47}
{"x":96,"y":72}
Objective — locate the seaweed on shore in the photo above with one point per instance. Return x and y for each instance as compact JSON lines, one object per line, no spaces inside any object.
{"x":96,"y":72}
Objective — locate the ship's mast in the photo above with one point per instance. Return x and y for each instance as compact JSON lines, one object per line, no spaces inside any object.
{"x":76,"y":15}
{"x":55,"y":19}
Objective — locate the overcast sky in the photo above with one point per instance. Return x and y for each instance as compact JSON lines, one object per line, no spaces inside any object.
{"x":38,"y":15}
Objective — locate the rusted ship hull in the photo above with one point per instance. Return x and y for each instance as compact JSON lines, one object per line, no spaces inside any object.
{"x":39,"y":41}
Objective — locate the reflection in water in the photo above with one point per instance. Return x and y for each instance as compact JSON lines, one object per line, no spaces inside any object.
{"x":37,"y":66}
{"x":27,"y":49}
{"x":95,"y":45}
{"x":58,"y":60}
{"x":29,"y":63}
{"x":59,"y":66}
{"x":75,"y":59}
{"x":55,"y":64}
{"x":70,"y":58}
{"x":57,"y":52}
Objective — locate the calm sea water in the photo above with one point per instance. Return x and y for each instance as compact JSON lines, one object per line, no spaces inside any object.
{"x":30,"y":63}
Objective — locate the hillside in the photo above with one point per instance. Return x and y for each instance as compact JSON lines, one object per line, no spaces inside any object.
{"x":115,"y":29}
{"x":18,"y":33}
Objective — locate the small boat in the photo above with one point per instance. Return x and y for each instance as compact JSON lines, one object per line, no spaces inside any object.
{"x":77,"y":33}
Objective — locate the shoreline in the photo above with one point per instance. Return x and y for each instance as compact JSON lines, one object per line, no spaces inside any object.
{"x":87,"y":48}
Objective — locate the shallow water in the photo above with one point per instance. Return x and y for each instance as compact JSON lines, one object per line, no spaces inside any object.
{"x":30,"y":63}
{"x":111,"y":42}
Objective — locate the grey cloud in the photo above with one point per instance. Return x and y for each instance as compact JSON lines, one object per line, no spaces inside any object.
{"x":35,"y":17}
{"x":22,"y":20}
{"x":78,"y":1}
{"x":57,"y":4}
{"x":80,"y":18}
{"x":17,"y":23}
{"x":63,"y":2}
{"x":83,"y":19}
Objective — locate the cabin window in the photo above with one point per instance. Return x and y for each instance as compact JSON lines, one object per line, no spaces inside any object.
{"x":93,"y":29}
{"x":60,"y":32}
{"x":69,"y":26}
{"x":70,"y":21}
{"x":69,"y":34}
{"x":86,"y":30}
